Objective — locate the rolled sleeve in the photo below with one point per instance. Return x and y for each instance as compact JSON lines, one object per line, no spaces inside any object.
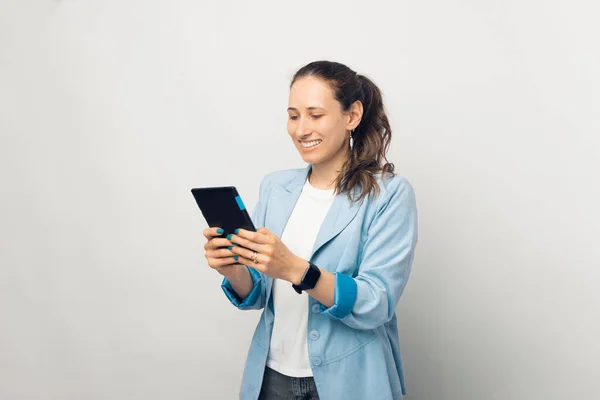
{"x":344,"y":296}
{"x":250,"y":302}
{"x":369,"y":299}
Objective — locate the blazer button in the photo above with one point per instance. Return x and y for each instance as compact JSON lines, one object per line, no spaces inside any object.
{"x":316,"y":308}
{"x":314,"y":335}
{"x":316,"y":361}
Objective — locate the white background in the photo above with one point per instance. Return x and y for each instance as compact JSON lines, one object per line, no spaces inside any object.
{"x":110,"y":111}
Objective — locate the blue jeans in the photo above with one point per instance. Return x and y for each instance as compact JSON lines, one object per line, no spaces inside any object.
{"x":277,"y":386}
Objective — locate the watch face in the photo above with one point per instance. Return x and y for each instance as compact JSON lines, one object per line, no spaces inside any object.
{"x":312,"y":276}
{"x":309,"y":281}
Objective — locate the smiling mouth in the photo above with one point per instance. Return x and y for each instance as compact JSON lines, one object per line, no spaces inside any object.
{"x":312,"y":143}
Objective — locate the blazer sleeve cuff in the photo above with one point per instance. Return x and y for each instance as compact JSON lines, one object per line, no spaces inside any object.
{"x":254,"y":294}
{"x":344,"y":297}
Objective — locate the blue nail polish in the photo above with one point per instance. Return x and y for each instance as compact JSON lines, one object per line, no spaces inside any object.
{"x":236,"y":231}
{"x":220,"y":231}
{"x":229,"y":237}
{"x":235,"y":257}
{"x":230,"y":247}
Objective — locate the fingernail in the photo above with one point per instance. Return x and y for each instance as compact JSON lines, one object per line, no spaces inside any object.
{"x":229,"y":237}
{"x":220,"y":231}
{"x":236,"y":231}
{"x":230,"y":247}
{"x":235,"y":257}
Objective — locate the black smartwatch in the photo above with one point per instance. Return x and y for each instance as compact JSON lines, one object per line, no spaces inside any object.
{"x":310,"y":278}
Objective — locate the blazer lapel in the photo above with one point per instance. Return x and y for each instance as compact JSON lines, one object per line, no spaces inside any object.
{"x":341,"y":213}
{"x":283,"y":200}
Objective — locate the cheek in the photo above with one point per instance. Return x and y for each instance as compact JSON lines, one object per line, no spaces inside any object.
{"x":291,"y":127}
{"x":324,"y":127}
{"x":331,"y":130}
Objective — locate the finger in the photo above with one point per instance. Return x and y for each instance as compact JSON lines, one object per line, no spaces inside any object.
{"x":250,"y":263}
{"x":240,"y":241}
{"x":216,"y":243}
{"x":252,"y":240}
{"x":264,"y":231}
{"x":209,"y":233}
{"x":216,"y":263}
{"x":220,"y":253}
{"x":247,"y":254}
{"x":256,"y":237}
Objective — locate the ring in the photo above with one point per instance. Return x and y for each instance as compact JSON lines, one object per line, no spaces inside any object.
{"x":254,"y":256}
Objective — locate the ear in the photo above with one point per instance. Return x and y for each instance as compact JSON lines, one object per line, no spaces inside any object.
{"x":355,"y":113}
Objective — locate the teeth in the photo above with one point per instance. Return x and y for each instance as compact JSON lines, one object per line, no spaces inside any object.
{"x":311,"y":144}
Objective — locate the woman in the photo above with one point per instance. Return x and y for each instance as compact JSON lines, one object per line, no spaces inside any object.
{"x":329,"y":287}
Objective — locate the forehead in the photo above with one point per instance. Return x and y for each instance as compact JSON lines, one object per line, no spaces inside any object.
{"x":310,"y":91}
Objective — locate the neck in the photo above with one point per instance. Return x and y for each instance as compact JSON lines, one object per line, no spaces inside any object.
{"x":324,"y":174}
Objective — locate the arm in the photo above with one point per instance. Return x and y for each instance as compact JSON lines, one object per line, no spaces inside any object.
{"x":369,"y":299}
{"x":249,"y":283}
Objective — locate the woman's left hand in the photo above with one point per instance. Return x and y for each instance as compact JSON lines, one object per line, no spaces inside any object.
{"x":273,"y":259}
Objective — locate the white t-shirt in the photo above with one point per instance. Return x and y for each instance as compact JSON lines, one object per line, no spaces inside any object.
{"x":288,"y":353}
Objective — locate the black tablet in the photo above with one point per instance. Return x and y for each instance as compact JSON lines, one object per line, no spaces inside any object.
{"x":223,"y":207}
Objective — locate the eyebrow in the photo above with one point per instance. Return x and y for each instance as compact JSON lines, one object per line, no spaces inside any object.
{"x":308,"y":108}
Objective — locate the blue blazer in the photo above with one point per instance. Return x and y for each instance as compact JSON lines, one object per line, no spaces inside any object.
{"x":353,"y":346}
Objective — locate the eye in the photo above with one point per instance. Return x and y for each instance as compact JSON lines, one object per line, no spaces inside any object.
{"x":293,"y":117}
{"x":317,"y":116}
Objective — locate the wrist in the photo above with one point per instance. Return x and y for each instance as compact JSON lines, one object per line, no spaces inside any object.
{"x":234,"y":272}
{"x":299,"y":267}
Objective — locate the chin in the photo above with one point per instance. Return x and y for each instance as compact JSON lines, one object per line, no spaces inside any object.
{"x":310,"y":158}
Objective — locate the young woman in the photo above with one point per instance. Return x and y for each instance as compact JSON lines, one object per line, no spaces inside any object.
{"x":333,"y":252}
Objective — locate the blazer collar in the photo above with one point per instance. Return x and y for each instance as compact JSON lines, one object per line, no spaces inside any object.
{"x":284,"y":198}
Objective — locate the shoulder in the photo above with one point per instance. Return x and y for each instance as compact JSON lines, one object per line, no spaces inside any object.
{"x":395,"y":189}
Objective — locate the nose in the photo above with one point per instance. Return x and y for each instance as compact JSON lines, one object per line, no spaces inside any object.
{"x":302,"y":128}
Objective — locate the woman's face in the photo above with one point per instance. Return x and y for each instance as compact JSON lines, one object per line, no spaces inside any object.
{"x":316,"y":122}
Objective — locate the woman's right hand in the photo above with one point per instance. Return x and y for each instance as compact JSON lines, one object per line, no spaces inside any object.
{"x":219,"y":257}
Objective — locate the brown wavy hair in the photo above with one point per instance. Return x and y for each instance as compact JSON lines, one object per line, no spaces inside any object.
{"x":372,"y":136}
